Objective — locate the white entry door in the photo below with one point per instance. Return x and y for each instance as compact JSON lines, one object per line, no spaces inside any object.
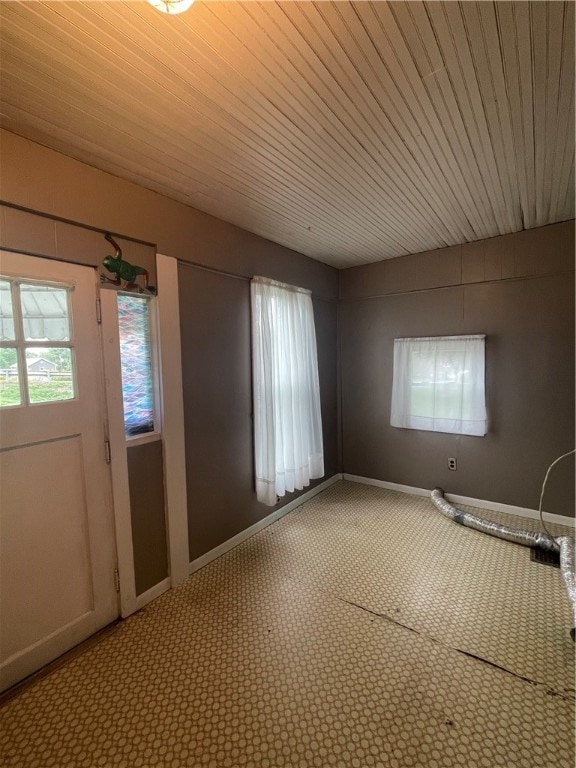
{"x":57,"y":540}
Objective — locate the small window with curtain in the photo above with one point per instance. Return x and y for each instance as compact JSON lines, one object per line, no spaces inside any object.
{"x":134,"y":325}
{"x":438,"y":384}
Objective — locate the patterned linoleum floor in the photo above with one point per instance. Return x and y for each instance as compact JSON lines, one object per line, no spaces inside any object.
{"x":362,"y":629}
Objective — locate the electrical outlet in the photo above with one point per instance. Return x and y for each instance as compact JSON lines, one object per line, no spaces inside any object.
{"x":452,"y":464}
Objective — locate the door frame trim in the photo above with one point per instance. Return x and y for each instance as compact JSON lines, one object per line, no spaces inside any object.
{"x":172,"y":404}
{"x":118,"y":452}
{"x":169,"y":357}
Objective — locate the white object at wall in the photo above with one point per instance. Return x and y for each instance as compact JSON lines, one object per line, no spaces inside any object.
{"x":173,"y":417}
{"x":287,"y":422}
{"x":438,"y":384}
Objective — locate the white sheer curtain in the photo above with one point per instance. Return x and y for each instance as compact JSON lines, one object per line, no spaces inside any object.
{"x":438,"y":384}
{"x":287,"y":421}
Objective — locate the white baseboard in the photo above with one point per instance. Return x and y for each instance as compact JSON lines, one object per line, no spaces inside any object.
{"x":494,"y":506}
{"x":226,"y":546}
{"x":152,"y":593}
{"x":384,"y":484}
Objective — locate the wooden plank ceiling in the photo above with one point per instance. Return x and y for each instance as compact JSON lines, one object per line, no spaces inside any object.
{"x":351,"y":132}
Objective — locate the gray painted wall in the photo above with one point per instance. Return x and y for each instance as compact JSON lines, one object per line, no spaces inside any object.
{"x":146,"y":480}
{"x":217,"y":384}
{"x":519,"y":290}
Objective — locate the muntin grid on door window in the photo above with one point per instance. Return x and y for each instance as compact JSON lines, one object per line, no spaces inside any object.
{"x":37,"y":361}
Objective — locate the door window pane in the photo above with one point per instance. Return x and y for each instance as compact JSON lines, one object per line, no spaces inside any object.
{"x":9,"y":378}
{"x":6,"y":312}
{"x":137,"y":390}
{"x":45,"y":313}
{"x":50,"y":374}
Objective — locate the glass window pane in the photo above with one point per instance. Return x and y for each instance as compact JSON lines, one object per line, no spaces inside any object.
{"x":50,"y":375}
{"x":45,"y":313}
{"x":133,"y":321}
{"x":9,"y":378}
{"x":438,"y":384}
{"x":6,"y":312}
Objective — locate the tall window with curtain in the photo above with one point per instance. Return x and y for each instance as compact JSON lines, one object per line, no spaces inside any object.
{"x":438,"y":384}
{"x":287,"y":421}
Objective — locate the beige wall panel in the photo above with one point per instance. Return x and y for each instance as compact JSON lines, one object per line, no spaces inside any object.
{"x":473,"y":262}
{"x":507,"y":262}
{"x":492,"y":266}
{"x":427,"y":270}
{"x":407,"y":273}
{"x":81,"y":245}
{"x":28,"y":233}
{"x":540,"y":251}
{"x":20,"y":183}
{"x":544,"y":250}
{"x":40,"y":235}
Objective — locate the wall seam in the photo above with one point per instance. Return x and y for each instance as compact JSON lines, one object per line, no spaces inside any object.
{"x":73,"y":223}
{"x":459,"y":285}
{"x":248,"y":278}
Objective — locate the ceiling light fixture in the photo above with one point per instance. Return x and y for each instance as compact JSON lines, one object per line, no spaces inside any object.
{"x":171,"y":6}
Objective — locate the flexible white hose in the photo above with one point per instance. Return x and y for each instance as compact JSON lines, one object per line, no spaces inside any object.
{"x":564,"y":544}
{"x":542,"y":523}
